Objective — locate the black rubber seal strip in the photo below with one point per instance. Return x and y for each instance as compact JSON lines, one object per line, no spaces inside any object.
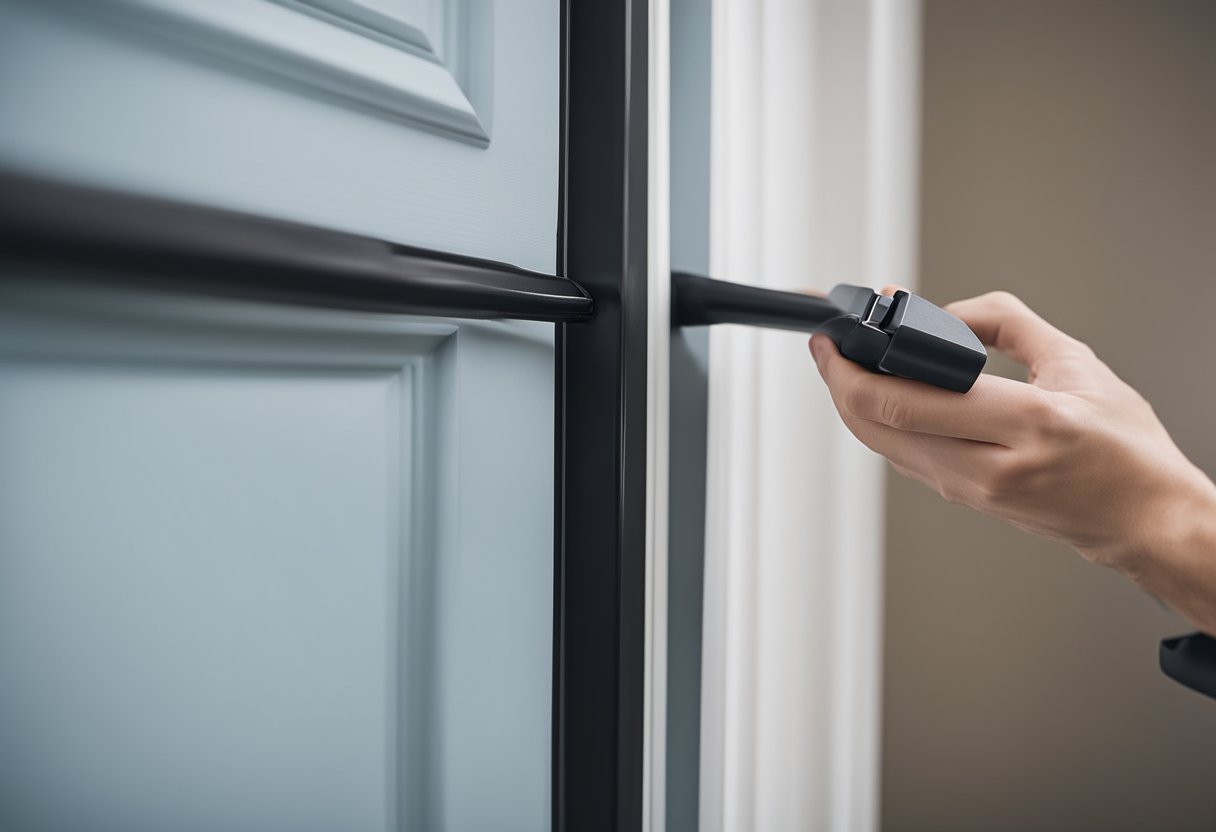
{"x":133,"y":238}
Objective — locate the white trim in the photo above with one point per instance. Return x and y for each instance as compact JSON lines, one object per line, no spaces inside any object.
{"x":813,"y":164}
{"x":654,"y":771}
{"x":727,"y":712}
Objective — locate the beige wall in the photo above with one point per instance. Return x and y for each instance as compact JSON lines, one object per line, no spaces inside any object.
{"x":1069,"y":155}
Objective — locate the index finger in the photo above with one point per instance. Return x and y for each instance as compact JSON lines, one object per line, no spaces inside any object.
{"x":996,"y":410}
{"x":1001,"y":320}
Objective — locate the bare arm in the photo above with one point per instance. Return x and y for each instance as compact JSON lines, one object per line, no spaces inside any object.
{"x":1075,"y":454}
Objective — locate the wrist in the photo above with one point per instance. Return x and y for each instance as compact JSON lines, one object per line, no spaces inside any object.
{"x":1170,"y":548}
{"x":1161,"y":525}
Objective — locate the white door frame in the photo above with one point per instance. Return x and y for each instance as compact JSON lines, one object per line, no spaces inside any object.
{"x":654,"y":807}
{"x":813,"y":175}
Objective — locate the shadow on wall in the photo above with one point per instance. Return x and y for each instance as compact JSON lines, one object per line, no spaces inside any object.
{"x":1069,"y":155}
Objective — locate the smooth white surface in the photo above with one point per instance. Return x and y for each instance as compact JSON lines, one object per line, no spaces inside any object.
{"x":657,"y":419}
{"x":813,"y":159}
{"x":728,"y":641}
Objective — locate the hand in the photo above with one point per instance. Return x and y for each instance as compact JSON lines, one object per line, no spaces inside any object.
{"x":1074,"y":454}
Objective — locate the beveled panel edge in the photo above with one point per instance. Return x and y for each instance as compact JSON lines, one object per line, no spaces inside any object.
{"x":366,"y":20}
{"x":411,"y":356}
{"x":344,"y":61}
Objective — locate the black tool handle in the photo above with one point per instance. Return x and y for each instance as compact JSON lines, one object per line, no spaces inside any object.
{"x":902,"y":335}
{"x":698,"y":301}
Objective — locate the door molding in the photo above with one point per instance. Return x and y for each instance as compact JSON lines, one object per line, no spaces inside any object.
{"x":813,"y":163}
{"x":418,"y":71}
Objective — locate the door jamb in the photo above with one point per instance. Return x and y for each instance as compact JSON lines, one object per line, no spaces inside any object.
{"x":600,"y":533}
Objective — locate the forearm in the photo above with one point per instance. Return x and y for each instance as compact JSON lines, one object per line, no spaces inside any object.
{"x":1175,"y":559}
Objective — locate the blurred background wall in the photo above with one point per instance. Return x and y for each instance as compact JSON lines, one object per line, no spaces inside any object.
{"x":1068,"y":155}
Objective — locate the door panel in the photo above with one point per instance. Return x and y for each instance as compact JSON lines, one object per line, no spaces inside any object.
{"x":428,"y":123}
{"x":271,"y":565}
{"x":271,"y":568}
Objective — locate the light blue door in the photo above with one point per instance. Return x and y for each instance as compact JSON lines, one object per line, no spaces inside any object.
{"x":266,"y":566}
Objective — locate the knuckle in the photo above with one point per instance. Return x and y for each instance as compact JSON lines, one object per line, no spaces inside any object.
{"x":950,"y":493}
{"x":863,"y":399}
{"x":1039,"y":410}
{"x":1142,"y":404}
{"x":1006,"y":478}
{"x":857,"y":399}
{"x":894,"y":412}
{"x":1053,"y":419}
{"x":1080,"y":349}
{"x":857,"y":427}
{"x":1006,"y":300}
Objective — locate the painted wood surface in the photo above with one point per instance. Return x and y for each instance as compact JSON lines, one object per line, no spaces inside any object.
{"x":300,"y":114}
{"x":268,"y":567}
{"x":271,"y":569}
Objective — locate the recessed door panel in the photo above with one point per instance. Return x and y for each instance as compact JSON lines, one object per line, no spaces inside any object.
{"x":270,"y":568}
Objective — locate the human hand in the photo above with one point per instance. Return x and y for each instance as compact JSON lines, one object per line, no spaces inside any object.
{"x":1074,"y":454}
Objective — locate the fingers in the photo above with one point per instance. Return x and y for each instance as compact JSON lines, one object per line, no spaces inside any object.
{"x":945,"y":464}
{"x":1003,"y":321}
{"x":997,"y":410}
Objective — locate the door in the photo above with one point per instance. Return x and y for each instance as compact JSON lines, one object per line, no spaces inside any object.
{"x":310,"y":506}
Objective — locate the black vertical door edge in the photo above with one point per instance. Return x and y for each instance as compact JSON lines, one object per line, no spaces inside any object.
{"x":600,"y":525}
